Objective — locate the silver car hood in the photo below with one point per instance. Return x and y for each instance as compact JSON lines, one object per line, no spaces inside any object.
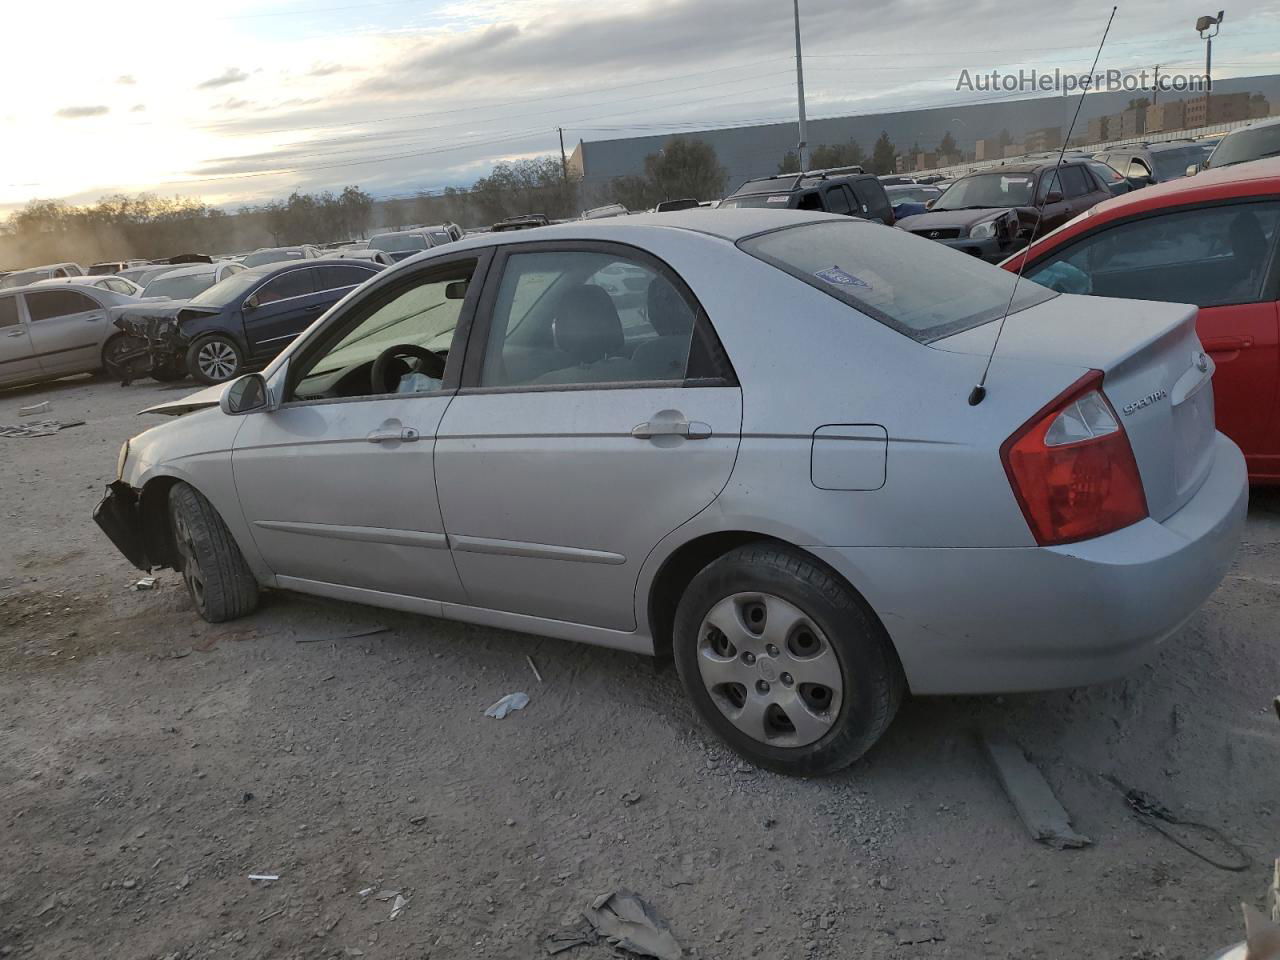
{"x":200,"y":400}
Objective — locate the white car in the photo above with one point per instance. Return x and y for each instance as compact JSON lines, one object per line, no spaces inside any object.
{"x":113,"y":283}
{"x":51,"y":331}
{"x":766,"y":466}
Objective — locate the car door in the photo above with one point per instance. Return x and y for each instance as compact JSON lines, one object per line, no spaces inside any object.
{"x":17,"y":356}
{"x":67,"y":329}
{"x":1054,"y":213}
{"x":280,"y":309}
{"x":587,"y":428}
{"x":1215,"y":256}
{"x":338,"y":484}
{"x":1080,"y":189}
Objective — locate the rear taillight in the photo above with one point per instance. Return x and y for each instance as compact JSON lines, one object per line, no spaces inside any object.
{"x":1072,"y":468}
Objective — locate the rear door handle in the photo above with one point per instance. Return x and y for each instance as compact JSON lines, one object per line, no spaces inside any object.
{"x":689,"y":429}
{"x":1224,"y":344}
{"x":17,"y":333}
{"x":407,"y":435}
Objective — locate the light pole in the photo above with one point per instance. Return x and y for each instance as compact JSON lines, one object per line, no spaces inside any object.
{"x":1208,"y":27}
{"x":802,"y":148}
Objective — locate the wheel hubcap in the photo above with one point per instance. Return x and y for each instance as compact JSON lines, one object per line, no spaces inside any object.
{"x":770,"y":669}
{"x":216,"y":360}
{"x":191,"y":571}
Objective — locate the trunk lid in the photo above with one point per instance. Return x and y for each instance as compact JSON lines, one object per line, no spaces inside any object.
{"x":1155,"y":374}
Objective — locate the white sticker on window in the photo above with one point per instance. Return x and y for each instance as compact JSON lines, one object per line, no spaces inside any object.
{"x":782,"y":199}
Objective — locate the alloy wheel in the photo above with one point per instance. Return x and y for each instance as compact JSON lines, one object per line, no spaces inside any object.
{"x":216,"y":360}
{"x":770,"y":669}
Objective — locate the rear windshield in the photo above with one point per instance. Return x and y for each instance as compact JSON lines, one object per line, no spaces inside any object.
{"x":1172,"y":163}
{"x":920,"y":288}
{"x":398,"y":242}
{"x":1252,"y":143}
{"x":260,"y":257}
{"x":777,"y":201}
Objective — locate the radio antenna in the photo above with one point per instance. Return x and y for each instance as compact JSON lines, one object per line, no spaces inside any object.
{"x":979,"y":392}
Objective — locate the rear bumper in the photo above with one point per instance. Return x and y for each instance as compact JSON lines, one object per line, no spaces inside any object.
{"x":1036,"y":618}
{"x":119,"y":516}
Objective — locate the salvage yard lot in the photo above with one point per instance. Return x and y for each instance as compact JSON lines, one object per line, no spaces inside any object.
{"x":150,"y":761}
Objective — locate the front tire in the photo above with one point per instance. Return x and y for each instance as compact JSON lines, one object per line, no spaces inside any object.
{"x":784,"y":661}
{"x":215,"y":359}
{"x":218,"y":580}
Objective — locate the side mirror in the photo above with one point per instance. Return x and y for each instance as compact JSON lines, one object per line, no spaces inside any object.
{"x":456,"y":290}
{"x":1053,"y":196}
{"x":246,"y":395}
{"x":928,"y":204}
{"x":252,"y":303}
{"x":1193,"y":169}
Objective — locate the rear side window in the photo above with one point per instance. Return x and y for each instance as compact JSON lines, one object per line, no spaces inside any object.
{"x":810,"y":201}
{"x":915,"y":286}
{"x":8,"y":311}
{"x":871,"y":197}
{"x":338,"y":278}
{"x":838,"y":200}
{"x":58,"y":303}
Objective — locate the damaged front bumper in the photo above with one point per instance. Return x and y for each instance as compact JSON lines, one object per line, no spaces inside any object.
{"x":119,"y":515}
{"x":154,"y":343}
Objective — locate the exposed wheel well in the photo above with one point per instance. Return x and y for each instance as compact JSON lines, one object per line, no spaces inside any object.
{"x":157,"y":533}
{"x":683,"y":565}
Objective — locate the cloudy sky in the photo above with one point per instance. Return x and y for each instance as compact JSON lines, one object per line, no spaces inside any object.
{"x":241,"y":100}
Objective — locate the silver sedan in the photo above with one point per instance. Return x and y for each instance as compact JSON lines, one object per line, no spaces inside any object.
{"x":737,"y":439}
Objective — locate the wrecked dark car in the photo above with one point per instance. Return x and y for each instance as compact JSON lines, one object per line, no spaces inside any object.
{"x":239,"y":323}
{"x":993,"y":214}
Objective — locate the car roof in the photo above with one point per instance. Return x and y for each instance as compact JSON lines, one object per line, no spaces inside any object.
{"x":282,"y":265}
{"x":189,"y":270}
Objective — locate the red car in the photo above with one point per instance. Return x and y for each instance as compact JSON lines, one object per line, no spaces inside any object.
{"x":1208,"y":240}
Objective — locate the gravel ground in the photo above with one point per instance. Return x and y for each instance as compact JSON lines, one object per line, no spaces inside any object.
{"x":150,"y":762}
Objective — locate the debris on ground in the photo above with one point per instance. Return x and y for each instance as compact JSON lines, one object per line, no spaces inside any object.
{"x":266,"y":877}
{"x":36,"y":428}
{"x":31,"y":410}
{"x":534,"y":667}
{"x":353,"y":635}
{"x":1190,"y":835}
{"x":512,"y":701}
{"x":630,"y":924}
{"x":399,"y":905}
{"x":907,"y":938}
{"x":630,"y":798}
{"x":146,"y":583}
{"x":48,"y":905}
{"x":581,"y":935}
{"x":1043,"y":815}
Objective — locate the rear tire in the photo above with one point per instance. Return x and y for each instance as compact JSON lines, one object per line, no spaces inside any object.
{"x":215,"y":359}
{"x":803,"y":678}
{"x":220,"y":583}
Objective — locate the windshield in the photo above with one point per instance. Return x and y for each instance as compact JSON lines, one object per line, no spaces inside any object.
{"x":22,"y":279}
{"x":1251,"y":143}
{"x":259,"y":257}
{"x":917,"y":287}
{"x":989,"y":190}
{"x":756,"y":200}
{"x":398,"y":242}
{"x":1172,"y":163}
{"x":912,"y":194}
{"x":223,"y":292}
{"x":179,"y":288}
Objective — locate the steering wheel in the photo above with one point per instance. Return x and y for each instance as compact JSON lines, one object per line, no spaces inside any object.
{"x":385,"y":377}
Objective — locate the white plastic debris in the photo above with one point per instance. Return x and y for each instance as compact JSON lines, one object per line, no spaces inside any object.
{"x":267,"y":877}
{"x":512,"y":701}
{"x":366,"y":891}
{"x":146,"y":583}
{"x":33,"y":409}
{"x":399,"y":905}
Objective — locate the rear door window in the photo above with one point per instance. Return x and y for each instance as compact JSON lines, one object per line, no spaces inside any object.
{"x":8,"y":311}
{"x":338,"y":278}
{"x":1075,"y":182}
{"x":58,"y":303}
{"x":838,"y":200}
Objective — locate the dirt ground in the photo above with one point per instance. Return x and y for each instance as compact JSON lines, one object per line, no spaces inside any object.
{"x":150,"y":762}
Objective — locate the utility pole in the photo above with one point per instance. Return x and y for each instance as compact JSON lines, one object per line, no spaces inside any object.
{"x":1155,"y":87}
{"x":1208,"y":28}
{"x":803,"y":146}
{"x":564,"y":163}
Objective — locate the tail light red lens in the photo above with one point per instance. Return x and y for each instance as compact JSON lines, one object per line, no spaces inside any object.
{"x":1072,"y":468}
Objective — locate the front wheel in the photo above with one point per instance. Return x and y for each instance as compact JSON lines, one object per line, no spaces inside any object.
{"x":220,"y":583}
{"x":215,"y":359}
{"x":784,"y":661}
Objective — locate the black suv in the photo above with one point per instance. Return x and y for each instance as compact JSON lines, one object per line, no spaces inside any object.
{"x":845,"y":190}
{"x":1154,"y":162}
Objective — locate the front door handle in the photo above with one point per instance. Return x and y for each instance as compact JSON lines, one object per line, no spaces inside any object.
{"x":17,"y":333}
{"x":1225,"y":344}
{"x":406,"y":435}
{"x":689,"y":429}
